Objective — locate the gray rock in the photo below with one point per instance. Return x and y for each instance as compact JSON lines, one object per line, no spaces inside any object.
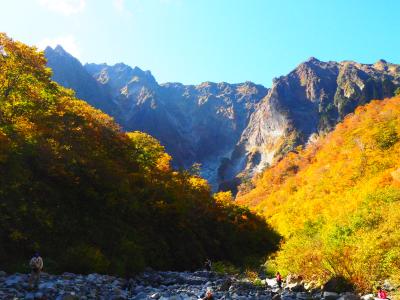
{"x":155,"y":296}
{"x":13,"y":280}
{"x":368,"y":297}
{"x":303,"y":296}
{"x":330,"y":295}
{"x":29,"y":296}
{"x":349,"y":296}
{"x":276,"y":297}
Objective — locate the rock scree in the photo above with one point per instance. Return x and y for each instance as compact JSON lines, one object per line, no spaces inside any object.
{"x":154,"y":285}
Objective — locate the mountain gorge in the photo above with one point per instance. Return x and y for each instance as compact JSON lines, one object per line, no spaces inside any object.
{"x":233,"y":130}
{"x":94,"y":195}
{"x":200,"y":123}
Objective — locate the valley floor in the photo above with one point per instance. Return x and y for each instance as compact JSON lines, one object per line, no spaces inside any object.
{"x":157,"y":285}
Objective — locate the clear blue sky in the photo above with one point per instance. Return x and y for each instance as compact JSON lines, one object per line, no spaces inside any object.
{"x":192,"y":41}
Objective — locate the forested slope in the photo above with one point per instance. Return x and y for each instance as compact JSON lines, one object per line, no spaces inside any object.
{"x":337,"y":202}
{"x":91,"y":198}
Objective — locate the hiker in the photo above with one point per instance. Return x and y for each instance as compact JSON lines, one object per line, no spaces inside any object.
{"x":208,"y":295}
{"x":381,"y":293}
{"x":207,"y":265}
{"x":279,"y":279}
{"x":36,"y":265}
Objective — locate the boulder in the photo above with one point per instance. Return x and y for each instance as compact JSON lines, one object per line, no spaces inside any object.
{"x":331,"y":295}
{"x":29,"y":296}
{"x":155,"y":296}
{"x":349,"y":296}
{"x":295,"y":287}
{"x":303,"y":296}
{"x":338,"y":284}
{"x":276,"y":297}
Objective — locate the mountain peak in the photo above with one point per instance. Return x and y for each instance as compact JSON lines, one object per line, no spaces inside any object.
{"x":57,"y":50}
{"x":312,"y":59}
{"x":381,"y":65}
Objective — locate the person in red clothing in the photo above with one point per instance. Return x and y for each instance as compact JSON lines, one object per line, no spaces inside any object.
{"x":279,"y":279}
{"x":381,"y":293}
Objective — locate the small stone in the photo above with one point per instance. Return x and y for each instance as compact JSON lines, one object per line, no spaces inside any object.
{"x":155,"y":296}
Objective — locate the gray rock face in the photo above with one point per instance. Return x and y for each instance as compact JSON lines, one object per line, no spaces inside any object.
{"x":196,"y":123}
{"x":233,"y":130}
{"x":69,"y":72}
{"x":310,"y":100}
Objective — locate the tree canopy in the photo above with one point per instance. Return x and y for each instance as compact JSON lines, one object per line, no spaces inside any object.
{"x":337,"y":202}
{"x":92,"y":198}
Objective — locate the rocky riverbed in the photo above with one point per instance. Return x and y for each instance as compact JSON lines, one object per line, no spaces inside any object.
{"x":159,"y":286}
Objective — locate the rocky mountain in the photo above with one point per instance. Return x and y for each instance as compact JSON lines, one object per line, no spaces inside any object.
{"x":310,"y":100}
{"x":196,"y":123}
{"x":232,"y":130}
{"x":69,"y":72}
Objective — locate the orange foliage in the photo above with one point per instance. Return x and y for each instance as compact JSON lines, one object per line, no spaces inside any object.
{"x":337,"y":200}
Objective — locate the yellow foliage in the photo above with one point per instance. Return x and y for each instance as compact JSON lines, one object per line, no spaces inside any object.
{"x":199,"y":183}
{"x":337,"y":202}
{"x":224,"y":197}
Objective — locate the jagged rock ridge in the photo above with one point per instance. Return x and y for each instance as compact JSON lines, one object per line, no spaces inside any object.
{"x":196,"y":123}
{"x":233,"y":130}
{"x":310,"y":100}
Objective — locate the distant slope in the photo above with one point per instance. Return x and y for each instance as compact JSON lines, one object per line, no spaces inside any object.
{"x":337,"y":202}
{"x":92,"y":198}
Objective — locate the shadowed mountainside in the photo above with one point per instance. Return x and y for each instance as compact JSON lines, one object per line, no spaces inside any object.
{"x":233,"y":130}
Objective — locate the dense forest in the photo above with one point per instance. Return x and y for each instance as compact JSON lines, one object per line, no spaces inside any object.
{"x":337,"y":202}
{"x":92,"y":198}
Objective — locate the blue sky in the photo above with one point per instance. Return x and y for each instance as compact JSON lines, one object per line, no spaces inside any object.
{"x":192,"y":41}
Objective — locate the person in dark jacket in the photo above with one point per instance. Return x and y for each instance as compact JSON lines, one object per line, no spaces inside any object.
{"x":207,"y":265}
{"x":36,"y":265}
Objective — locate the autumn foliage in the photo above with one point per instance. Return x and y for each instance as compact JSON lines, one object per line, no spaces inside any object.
{"x":92,"y":198}
{"x":337,"y":202}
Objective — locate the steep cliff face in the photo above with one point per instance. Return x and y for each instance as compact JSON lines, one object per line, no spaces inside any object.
{"x":69,"y":72}
{"x":310,"y":100}
{"x":200,"y":123}
{"x":233,"y":130}
{"x":196,"y":123}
